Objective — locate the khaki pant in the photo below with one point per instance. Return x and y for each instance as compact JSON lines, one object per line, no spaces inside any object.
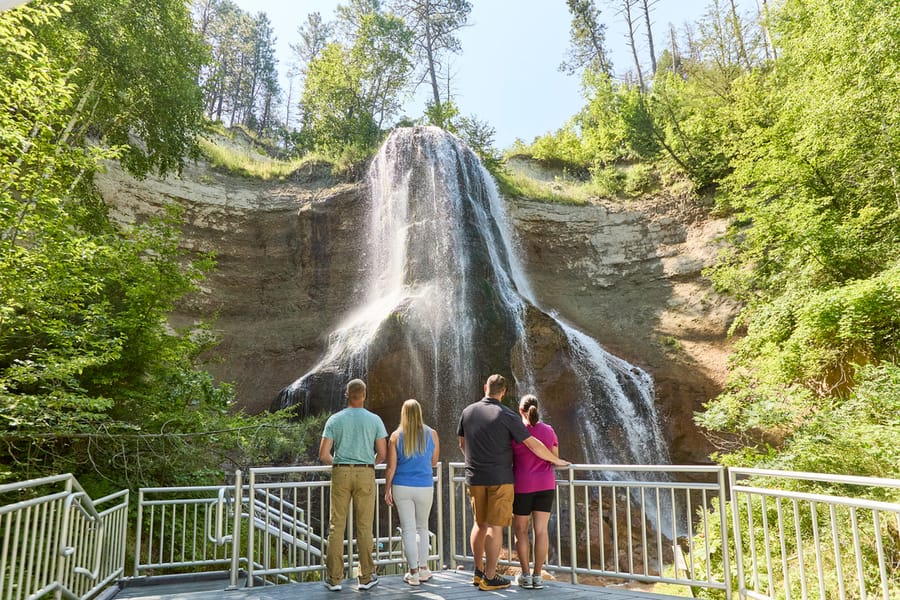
{"x":356,"y":483}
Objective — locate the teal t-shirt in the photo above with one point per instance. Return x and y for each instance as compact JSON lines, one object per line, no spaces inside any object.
{"x":354,"y":431}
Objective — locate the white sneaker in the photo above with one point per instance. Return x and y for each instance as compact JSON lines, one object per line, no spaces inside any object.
{"x":332,"y":587}
{"x":537,"y":582}
{"x":525,"y":581}
{"x":425,"y":573}
{"x":411,"y":578}
{"x":369,"y":584}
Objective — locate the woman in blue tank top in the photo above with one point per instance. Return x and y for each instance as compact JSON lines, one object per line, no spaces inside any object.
{"x":413,"y":450}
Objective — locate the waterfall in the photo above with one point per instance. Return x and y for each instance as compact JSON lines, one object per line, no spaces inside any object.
{"x":445,"y":302}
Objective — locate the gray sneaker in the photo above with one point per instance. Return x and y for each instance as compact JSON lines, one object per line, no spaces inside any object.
{"x":372,"y":582}
{"x":332,"y":587}
{"x":525,"y":581}
{"x":537,"y":582}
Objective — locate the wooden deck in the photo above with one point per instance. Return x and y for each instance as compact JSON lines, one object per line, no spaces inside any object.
{"x":445,"y":585}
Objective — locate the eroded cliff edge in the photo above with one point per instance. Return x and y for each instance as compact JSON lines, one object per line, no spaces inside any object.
{"x":290,"y":256}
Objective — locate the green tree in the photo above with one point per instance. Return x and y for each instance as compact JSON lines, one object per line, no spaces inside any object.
{"x":92,"y":378}
{"x":351,"y":92}
{"x":814,"y":253}
{"x":135,"y":64}
{"x":434,"y":24}
{"x":587,"y":40}
{"x":240,"y":83}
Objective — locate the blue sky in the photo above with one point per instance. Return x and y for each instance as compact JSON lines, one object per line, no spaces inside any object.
{"x":508,"y":72}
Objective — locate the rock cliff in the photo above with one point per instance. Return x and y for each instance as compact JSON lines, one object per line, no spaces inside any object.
{"x":289,"y":264}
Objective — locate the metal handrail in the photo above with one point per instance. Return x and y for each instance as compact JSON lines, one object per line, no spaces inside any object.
{"x":630,"y":522}
{"x":772,"y":530}
{"x":60,"y":542}
{"x":658,"y":510}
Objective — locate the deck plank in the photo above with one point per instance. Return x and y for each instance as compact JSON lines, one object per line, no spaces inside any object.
{"x":445,"y":585}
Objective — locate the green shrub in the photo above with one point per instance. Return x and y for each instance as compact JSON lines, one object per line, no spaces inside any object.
{"x":641,"y":179}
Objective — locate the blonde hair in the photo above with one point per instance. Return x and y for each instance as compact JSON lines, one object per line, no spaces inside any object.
{"x":413,"y":428}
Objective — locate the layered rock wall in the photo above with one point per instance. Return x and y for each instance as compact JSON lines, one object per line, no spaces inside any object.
{"x":289,"y":264}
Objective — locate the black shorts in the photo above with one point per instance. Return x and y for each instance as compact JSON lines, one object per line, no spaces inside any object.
{"x":525,"y":504}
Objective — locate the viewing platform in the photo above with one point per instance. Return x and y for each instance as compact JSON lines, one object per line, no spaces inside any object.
{"x":445,"y":585}
{"x":263,"y":536}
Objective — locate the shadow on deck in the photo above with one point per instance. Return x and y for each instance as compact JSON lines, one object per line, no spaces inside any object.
{"x":445,"y":585}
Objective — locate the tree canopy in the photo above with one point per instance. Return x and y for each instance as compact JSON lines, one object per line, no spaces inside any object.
{"x":92,"y":378}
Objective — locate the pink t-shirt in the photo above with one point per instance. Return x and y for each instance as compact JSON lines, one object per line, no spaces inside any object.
{"x":534,"y":474}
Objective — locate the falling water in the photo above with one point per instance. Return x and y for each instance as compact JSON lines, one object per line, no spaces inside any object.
{"x":445,"y":299}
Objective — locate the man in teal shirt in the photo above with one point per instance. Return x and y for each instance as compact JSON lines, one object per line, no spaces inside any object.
{"x":358,"y":440}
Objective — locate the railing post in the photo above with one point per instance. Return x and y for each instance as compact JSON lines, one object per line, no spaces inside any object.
{"x":238,"y":500}
{"x":138,"y":532}
{"x":572,"y":537}
{"x":251,"y":495}
{"x":738,"y":553}
{"x":451,"y":481}
{"x":723,"y":525}
{"x":440,"y":516}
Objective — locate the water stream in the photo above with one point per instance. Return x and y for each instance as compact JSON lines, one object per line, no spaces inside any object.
{"x":445,"y":302}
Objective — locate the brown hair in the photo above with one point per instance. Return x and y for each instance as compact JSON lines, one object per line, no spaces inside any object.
{"x":495,"y":384}
{"x":355,"y":389}
{"x":528,"y":405}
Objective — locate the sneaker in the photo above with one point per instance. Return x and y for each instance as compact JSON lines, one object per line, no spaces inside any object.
{"x":424,"y":573}
{"x":494,"y":583}
{"x":525,"y":581}
{"x":331,"y":587}
{"x":537,"y":583}
{"x":372,"y":582}
{"x":411,"y":578}
{"x":479,"y":575}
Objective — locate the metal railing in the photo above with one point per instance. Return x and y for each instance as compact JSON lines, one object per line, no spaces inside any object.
{"x":836,"y":538}
{"x":185,"y":529}
{"x":55,"y":539}
{"x":815,"y":543}
{"x":627,"y":522}
{"x":288,"y":541}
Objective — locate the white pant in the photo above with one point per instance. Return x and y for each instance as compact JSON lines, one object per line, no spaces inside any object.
{"x":413,"y":508}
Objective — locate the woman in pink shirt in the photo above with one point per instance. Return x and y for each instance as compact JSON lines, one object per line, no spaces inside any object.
{"x":535,"y":490}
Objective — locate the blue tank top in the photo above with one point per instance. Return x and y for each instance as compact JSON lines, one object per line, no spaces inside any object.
{"x":415,"y":471}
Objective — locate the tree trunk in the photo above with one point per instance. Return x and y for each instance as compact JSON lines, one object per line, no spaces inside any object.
{"x":646,"y":7}
{"x":287,"y":108}
{"x":674,"y":50}
{"x":736,"y":24}
{"x":632,"y":43}
{"x":767,"y":36}
{"x":431,"y":69}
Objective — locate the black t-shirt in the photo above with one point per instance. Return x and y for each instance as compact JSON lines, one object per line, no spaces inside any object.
{"x":489,"y":429}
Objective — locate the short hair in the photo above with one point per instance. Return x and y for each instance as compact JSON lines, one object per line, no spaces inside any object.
{"x":356,"y":388}
{"x":495,"y":384}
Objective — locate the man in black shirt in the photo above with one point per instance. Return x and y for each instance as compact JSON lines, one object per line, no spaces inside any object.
{"x":486,"y":431}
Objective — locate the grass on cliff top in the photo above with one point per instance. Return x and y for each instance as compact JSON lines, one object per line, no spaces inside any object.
{"x":240,"y":152}
{"x":525,"y":177}
{"x":249,"y":162}
{"x":515,"y":183}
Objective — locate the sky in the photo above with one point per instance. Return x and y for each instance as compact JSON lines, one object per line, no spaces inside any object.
{"x":507,"y":73}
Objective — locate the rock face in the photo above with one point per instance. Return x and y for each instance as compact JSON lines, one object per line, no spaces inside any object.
{"x":290,"y":261}
{"x":630,"y":276}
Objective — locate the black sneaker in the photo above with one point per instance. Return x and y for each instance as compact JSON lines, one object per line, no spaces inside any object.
{"x":368,"y":585}
{"x":494,"y":583}
{"x":476,"y":579}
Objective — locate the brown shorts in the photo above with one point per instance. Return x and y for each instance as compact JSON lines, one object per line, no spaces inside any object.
{"x":492,"y":504}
